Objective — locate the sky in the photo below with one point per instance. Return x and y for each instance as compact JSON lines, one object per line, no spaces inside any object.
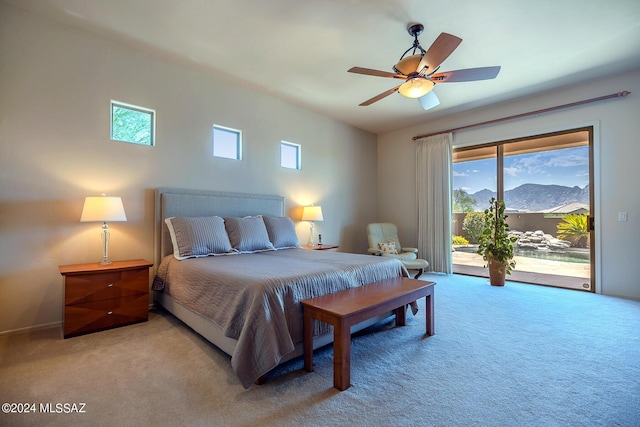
{"x":568,"y":167}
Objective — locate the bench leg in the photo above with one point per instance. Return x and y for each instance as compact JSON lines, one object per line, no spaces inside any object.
{"x":401,"y":316}
{"x":341,"y":356}
{"x":429,"y":303}
{"x":307,"y":326}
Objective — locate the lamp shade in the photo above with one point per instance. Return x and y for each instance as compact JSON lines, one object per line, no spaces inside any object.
{"x":102,"y":208}
{"x":416,"y":87}
{"x":312,"y":213}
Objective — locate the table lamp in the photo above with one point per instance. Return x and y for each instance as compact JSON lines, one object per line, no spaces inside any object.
{"x":312,"y":213}
{"x":103,"y":209}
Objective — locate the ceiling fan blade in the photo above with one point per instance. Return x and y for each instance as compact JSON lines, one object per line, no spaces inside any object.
{"x":379,"y":97}
{"x":466,"y":75}
{"x":377,"y":73}
{"x":429,"y":101}
{"x":440,"y":50}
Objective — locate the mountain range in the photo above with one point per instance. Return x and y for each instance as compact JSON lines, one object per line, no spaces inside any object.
{"x":534,"y":197}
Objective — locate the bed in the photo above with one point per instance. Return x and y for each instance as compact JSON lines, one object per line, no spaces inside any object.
{"x":243,"y":294}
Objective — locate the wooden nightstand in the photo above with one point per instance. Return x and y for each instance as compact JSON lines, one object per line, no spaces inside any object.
{"x":98,"y":297}
{"x":322,"y":247}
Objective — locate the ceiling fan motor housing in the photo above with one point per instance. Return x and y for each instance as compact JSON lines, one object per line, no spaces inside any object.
{"x":407,"y":65}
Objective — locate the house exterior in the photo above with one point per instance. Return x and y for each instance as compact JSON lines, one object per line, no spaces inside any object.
{"x":56,"y":84}
{"x":568,"y":208}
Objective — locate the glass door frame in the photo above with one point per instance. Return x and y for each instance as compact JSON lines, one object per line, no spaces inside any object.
{"x":591,"y":219}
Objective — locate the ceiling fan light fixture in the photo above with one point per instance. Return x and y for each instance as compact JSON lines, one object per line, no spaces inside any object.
{"x":416,"y":87}
{"x":418,"y":70}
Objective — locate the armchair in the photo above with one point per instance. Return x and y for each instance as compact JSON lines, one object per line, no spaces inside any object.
{"x":383,"y":241}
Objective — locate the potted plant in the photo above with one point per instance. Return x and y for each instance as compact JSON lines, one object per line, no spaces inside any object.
{"x":496,"y":246}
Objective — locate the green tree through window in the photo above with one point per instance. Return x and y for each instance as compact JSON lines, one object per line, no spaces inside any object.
{"x":132,"y":124}
{"x":462,"y":201}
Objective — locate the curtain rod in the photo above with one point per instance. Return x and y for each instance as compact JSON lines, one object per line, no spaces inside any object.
{"x":517,"y":116}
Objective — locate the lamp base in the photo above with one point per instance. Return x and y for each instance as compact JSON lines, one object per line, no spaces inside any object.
{"x":312,"y":242}
{"x":105,"y":245}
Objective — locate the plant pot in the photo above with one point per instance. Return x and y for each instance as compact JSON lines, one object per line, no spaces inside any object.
{"x":497,"y":272}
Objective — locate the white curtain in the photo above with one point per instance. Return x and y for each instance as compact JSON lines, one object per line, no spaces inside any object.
{"x":433,"y":174}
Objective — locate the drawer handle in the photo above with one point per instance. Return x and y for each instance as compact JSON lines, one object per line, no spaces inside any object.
{"x":110,"y":285}
{"x":109,"y":313}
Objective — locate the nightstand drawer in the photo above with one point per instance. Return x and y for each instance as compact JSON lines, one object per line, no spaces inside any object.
{"x":88,"y":287}
{"x":107,"y":313}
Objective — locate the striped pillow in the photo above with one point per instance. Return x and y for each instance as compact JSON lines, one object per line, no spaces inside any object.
{"x":282,"y":232}
{"x":198,"y":236}
{"x":248,"y":234}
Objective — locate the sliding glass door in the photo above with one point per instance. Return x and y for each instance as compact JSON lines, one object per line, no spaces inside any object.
{"x":545,"y":182}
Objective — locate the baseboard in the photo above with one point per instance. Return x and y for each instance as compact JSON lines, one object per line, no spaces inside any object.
{"x":31,"y":329}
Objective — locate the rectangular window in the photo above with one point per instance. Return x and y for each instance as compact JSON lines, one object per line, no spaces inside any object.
{"x":133,"y":124}
{"x":290,"y":155}
{"x":227,"y":142}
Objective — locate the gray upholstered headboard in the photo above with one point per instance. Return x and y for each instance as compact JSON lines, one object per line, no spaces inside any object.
{"x":180,"y":202}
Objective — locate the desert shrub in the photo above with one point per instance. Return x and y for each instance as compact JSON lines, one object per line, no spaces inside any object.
{"x":459,"y":240}
{"x":574,"y":228}
{"x":472,"y":225}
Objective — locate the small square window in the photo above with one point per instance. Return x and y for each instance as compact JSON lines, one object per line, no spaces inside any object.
{"x":133,"y":124}
{"x":227,"y":142}
{"x":289,"y":155}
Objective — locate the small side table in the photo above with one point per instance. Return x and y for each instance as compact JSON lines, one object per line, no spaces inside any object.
{"x":321,"y":247}
{"x":98,"y":297}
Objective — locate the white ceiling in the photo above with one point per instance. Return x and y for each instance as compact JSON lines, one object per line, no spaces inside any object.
{"x":300,"y":50}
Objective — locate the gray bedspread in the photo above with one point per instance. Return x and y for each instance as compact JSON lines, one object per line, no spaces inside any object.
{"x":254,"y":298}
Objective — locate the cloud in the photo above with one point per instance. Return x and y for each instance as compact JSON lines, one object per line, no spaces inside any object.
{"x":541,"y":163}
{"x":569,"y":160}
{"x":511,"y":171}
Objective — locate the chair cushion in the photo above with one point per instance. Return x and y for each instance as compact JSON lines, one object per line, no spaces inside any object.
{"x":405,"y":256}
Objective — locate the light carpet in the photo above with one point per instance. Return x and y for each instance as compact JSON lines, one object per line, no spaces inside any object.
{"x":522,"y":355}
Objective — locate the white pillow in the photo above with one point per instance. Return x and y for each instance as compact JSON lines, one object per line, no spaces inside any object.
{"x":194,"y":237}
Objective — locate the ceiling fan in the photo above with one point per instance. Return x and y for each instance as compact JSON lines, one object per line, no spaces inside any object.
{"x":418,"y":70}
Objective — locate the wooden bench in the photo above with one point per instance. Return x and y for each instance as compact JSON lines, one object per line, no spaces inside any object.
{"x":346,"y":308}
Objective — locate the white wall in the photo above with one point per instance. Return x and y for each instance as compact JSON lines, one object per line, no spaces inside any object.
{"x":56,"y":83}
{"x":617,"y":174}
